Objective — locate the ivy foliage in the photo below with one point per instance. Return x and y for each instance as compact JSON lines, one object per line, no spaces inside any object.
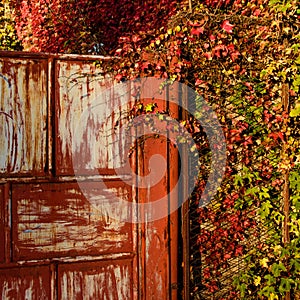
{"x":243,"y":58}
{"x":8,"y":37}
{"x":85,"y":26}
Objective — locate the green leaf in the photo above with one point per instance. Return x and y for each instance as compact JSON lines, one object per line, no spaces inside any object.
{"x":295,"y":112}
{"x":295,"y":263}
{"x":277,"y":268}
{"x":270,"y":279}
{"x":264,"y":210}
{"x":294,"y":179}
{"x":285,"y":285}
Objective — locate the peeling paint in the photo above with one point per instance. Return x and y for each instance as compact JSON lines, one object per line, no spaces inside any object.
{"x":56,"y":220}
{"x":53,"y":243}
{"x":23,"y":116}
{"x":29,"y":283}
{"x":102,"y":280}
{"x":81,"y":90}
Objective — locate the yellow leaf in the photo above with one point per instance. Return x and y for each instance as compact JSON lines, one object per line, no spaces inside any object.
{"x":257,"y":280}
{"x":150,"y":107}
{"x":177,"y":28}
{"x":264,"y":262}
{"x":273,"y":296}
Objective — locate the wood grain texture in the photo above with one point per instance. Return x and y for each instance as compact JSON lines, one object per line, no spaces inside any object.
{"x":88,"y":109}
{"x":55,"y":220}
{"x":25,"y":283}
{"x":23,"y":116}
{"x":96,"y":280}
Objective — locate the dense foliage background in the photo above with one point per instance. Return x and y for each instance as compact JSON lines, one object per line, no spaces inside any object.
{"x":243,"y":58}
{"x":8,"y":37}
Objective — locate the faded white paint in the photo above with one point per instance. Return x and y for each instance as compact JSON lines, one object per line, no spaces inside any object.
{"x":23,"y":116}
{"x":89,"y":108}
{"x":111,"y":282}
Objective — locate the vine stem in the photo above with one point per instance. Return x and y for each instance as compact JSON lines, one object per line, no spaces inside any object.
{"x":286,"y":187}
{"x":190,"y":6}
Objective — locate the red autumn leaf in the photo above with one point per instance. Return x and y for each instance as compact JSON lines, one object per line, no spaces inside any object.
{"x":197,"y":31}
{"x":136,"y":38}
{"x":145,"y":65}
{"x":234,"y":55}
{"x":227,"y":256}
{"x":208,"y":55}
{"x":227,"y":26}
{"x":238,"y":250}
{"x":212,"y":37}
{"x":199,"y":81}
{"x":118,"y":77}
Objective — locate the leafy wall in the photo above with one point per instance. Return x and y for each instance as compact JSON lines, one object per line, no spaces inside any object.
{"x":243,"y":58}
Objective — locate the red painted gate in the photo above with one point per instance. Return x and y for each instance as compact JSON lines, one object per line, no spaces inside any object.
{"x":53,"y":243}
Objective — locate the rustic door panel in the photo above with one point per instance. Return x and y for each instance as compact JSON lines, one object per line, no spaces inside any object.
{"x":56,"y":219}
{"x":23,"y":116}
{"x":111,"y":280}
{"x":24,"y":283}
{"x":88,"y":107}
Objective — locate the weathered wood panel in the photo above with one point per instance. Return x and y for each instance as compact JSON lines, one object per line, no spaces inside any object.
{"x":25,"y":283}
{"x":89,"y":107}
{"x":96,"y":280}
{"x":23,"y":116}
{"x":55,"y":219}
{"x":92,"y":255}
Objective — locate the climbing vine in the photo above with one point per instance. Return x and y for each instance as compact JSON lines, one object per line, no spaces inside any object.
{"x":8,"y":36}
{"x":243,"y":58}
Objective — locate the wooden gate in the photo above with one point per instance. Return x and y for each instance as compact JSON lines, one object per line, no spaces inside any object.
{"x":53,"y":243}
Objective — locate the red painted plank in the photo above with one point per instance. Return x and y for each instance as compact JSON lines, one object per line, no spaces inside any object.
{"x":154,"y":235}
{"x":4,"y":224}
{"x":156,"y":232}
{"x":55,"y":219}
{"x":96,"y":280}
{"x":24,"y":283}
{"x":173,"y":175}
{"x":23,"y":116}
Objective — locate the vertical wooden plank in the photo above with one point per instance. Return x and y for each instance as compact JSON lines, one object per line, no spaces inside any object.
{"x":155,"y":247}
{"x":135,"y":228}
{"x":4,"y":224}
{"x":51,"y":116}
{"x":173,"y":173}
{"x":157,"y":232}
